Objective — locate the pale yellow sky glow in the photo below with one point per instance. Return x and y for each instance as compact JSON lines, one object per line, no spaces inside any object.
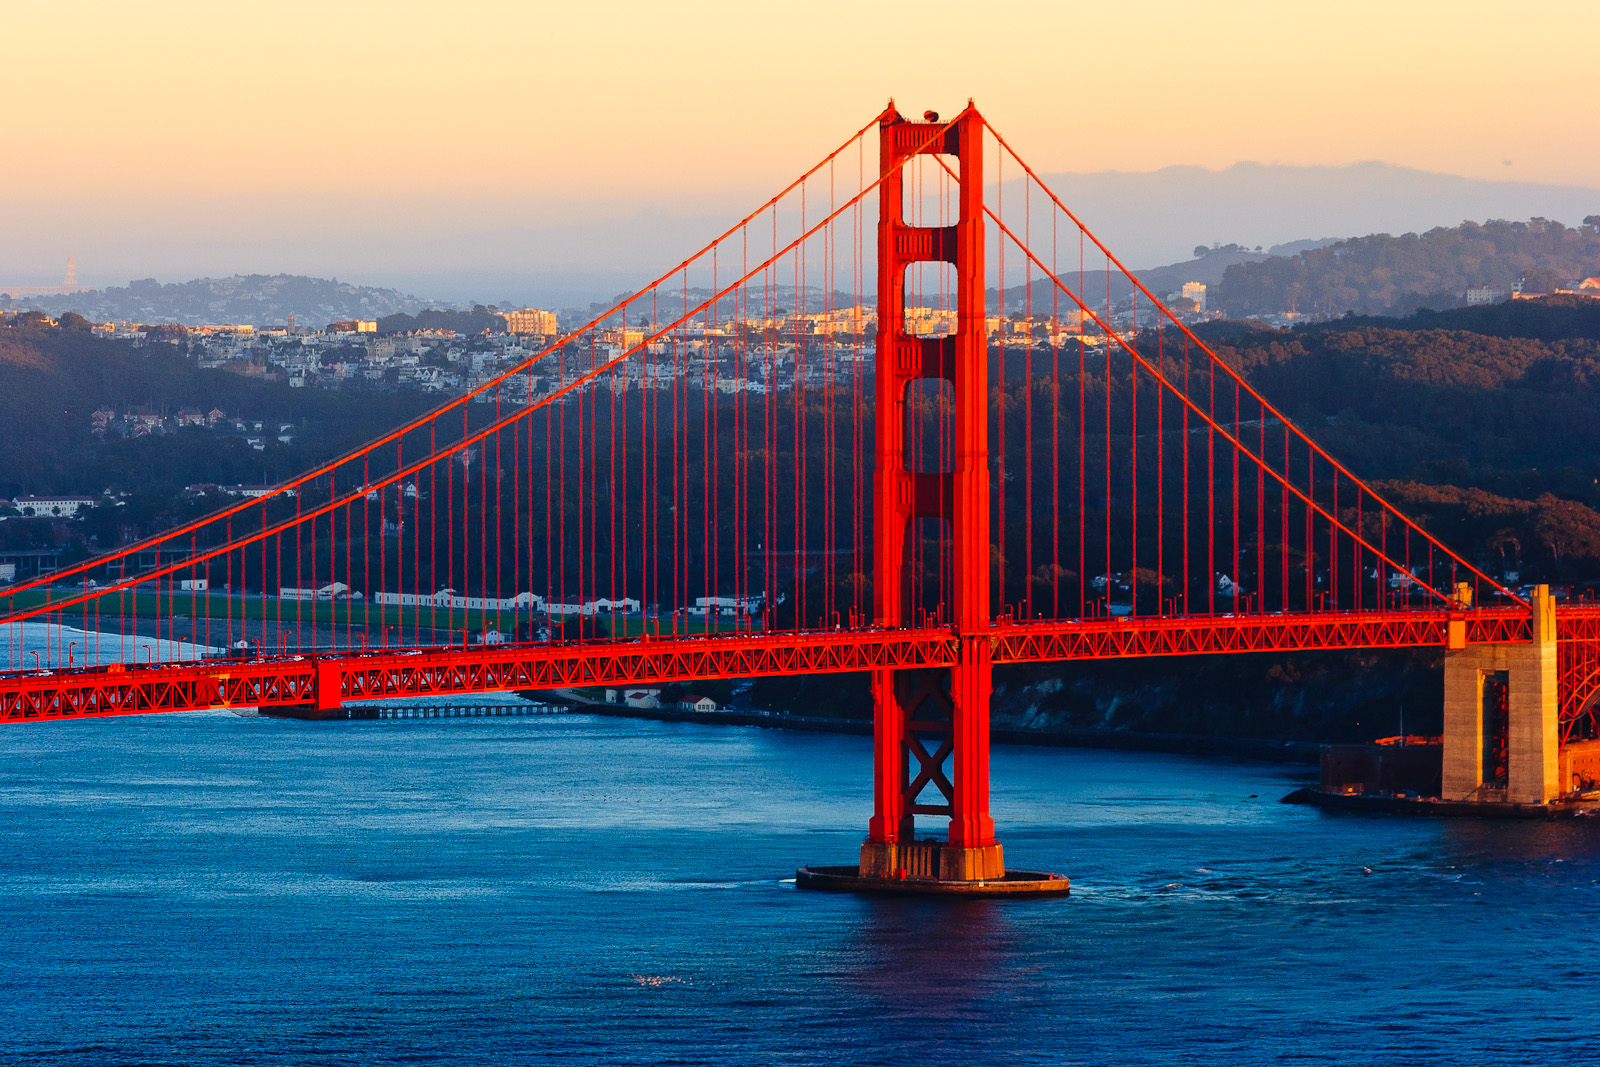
{"x":114,"y":101}
{"x":543,"y":152}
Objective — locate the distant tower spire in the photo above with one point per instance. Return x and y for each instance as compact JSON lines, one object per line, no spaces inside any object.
{"x":71,"y":280}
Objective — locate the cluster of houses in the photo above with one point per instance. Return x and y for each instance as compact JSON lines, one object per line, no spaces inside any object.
{"x":345,"y":353}
{"x":723,"y":353}
{"x":144,"y":421}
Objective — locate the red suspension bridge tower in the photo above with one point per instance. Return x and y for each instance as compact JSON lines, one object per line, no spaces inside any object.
{"x":926,"y":719}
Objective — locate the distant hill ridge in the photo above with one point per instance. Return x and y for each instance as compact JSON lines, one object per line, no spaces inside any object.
{"x":1154,"y":216}
{"x":1376,"y":274}
{"x":255,"y":299}
{"x":1384,"y":273}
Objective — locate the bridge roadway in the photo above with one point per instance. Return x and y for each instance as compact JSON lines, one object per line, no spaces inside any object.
{"x":325,"y":681}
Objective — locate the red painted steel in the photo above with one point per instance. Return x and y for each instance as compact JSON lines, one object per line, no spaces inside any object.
{"x":1239,"y":382}
{"x":396,"y":435}
{"x":1578,"y":670}
{"x":1241,"y":447}
{"x":134,"y":690}
{"x":958,"y":494}
{"x":119,"y":690}
{"x":1124,"y":637}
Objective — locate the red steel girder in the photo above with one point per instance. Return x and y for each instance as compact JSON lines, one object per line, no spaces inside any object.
{"x":1578,"y":663}
{"x":135,"y":690}
{"x":122,"y":690}
{"x":1119,"y":638}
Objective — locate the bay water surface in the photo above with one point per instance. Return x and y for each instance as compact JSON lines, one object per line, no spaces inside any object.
{"x":215,"y":889}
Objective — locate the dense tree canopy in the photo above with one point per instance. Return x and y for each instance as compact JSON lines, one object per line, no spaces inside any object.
{"x":477,"y":320}
{"x":1502,"y":425}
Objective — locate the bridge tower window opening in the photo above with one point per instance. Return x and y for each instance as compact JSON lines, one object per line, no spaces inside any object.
{"x":928,"y":190}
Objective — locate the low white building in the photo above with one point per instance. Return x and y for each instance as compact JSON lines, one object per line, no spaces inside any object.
{"x":696,"y":702}
{"x":331,"y":591}
{"x":252,"y":491}
{"x":623,"y":605}
{"x":448,"y":598}
{"x":64,"y":507}
{"x":725,"y":605}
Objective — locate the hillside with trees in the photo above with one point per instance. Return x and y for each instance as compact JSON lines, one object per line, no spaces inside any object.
{"x":1479,"y":423}
{"x":1549,"y":318}
{"x":52,"y":379}
{"x":1441,"y":404}
{"x":1383,"y":273}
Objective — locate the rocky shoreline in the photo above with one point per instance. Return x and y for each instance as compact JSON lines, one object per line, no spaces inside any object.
{"x":1303,"y":752}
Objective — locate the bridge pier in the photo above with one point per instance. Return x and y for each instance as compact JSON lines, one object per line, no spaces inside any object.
{"x":1502,"y":738}
{"x":926,"y":718}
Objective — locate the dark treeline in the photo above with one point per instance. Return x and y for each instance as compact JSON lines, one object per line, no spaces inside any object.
{"x":1500,"y":411}
{"x":1479,"y":423}
{"x":656,"y":495}
{"x":1558,"y":317}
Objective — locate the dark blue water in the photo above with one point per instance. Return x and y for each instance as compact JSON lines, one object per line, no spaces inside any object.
{"x":206,"y":888}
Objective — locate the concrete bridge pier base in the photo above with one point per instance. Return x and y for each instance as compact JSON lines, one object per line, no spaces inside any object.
{"x":1501,"y":715}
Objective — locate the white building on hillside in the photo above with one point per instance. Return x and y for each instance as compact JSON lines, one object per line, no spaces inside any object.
{"x":64,"y":507}
{"x":725,"y":605}
{"x":448,"y":598}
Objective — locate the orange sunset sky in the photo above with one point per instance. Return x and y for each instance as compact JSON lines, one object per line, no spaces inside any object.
{"x":591,"y":109}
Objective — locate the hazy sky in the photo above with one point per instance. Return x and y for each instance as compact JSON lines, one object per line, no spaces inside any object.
{"x":473,"y":114}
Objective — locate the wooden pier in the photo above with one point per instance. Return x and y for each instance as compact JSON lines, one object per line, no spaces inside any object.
{"x":443,"y":711}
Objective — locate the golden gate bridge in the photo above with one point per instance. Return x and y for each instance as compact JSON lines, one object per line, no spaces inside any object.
{"x":884,"y":424}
